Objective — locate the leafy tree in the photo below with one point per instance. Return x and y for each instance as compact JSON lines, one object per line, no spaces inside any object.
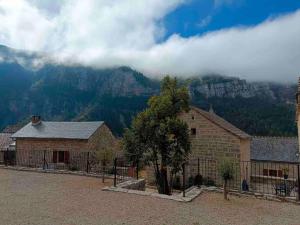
{"x":159,"y":136}
{"x":226,"y":171}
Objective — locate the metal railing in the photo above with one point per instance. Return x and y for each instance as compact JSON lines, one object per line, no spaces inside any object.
{"x":273,"y":178}
{"x":84,"y":162}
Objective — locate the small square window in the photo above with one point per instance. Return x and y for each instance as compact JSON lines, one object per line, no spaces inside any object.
{"x":265,"y":172}
{"x":193,"y":131}
{"x":273,"y":173}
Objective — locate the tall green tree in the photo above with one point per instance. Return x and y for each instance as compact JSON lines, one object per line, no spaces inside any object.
{"x":158,"y":135}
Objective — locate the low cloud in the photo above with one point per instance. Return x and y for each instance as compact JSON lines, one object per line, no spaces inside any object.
{"x":104,"y":33}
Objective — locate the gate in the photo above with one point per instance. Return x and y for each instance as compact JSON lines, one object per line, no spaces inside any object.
{"x":9,"y":158}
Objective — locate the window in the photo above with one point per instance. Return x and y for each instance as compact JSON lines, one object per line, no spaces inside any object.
{"x":61,"y":157}
{"x":273,"y":173}
{"x":193,"y":117}
{"x":193,"y":131}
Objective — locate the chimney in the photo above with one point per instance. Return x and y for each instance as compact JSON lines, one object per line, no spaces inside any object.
{"x":35,"y":120}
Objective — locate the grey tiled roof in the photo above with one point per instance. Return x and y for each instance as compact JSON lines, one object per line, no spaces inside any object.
{"x":59,"y":130}
{"x":222,"y":123}
{"x":12,"y":128}
{"x":278,"y":149}
{"x":5,"y":141}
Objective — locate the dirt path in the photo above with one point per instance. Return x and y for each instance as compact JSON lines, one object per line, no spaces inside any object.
{"x":40,"y":199}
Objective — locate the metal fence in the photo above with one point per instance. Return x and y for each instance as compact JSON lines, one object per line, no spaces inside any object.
{"x":85,"y":161}
{"x":274,"y":178}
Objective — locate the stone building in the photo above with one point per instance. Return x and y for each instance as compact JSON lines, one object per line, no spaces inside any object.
{"x":274,"y":165}
{"x":298,"y":108}
{"x":272,"y":158}
{"x":61,"y":144}
{"x":212,"y":139}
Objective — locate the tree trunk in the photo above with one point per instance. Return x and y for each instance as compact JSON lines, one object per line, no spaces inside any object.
{"x":225,"y":190}
{"x":162,"y":181}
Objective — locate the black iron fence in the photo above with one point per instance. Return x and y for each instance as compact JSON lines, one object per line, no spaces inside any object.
{"x":115,"y":168}
{"x":274,"y":178}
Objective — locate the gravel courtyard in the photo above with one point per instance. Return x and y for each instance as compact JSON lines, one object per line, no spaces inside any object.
{"x":35,"y":198}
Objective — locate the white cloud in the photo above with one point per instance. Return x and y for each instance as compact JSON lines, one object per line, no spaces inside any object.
{"x":105,"y":33}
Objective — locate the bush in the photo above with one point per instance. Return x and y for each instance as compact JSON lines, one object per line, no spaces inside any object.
{"x":191,"y":181}
{"x":177,"y":183}
{"x":198,"y":180}
{"x":74,"y":168}
{"x":226,"y":171}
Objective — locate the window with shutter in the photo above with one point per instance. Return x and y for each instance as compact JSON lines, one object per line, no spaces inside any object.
{"x":61,"y":156}
{"x":265,"y":172}
{"x":54,"y":159}
{"x":67,"y":157}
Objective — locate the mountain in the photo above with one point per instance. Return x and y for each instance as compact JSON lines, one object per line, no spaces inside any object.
{"x":259,"y":108}
{"x":29,"y":84}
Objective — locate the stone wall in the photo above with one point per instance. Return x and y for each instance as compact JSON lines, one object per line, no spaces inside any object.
{"x":211,"y":141}
{"x":139,"y":185}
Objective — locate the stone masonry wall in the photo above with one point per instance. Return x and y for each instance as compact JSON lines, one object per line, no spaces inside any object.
{"x":211,"y":143}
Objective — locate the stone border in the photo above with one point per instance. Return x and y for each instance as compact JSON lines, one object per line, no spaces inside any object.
{"x":260,"y":196}
{"x":190,"y":194}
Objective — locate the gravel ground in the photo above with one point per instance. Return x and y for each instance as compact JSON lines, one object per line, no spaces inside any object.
{"x":35,"y":198}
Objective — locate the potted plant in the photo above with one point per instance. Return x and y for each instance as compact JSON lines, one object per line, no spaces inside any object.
{"x":226,"y":171}
{"x":285,"y":173}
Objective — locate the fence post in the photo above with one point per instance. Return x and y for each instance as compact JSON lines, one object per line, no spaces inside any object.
{"x":298,"y":167}
{"x":183,"y":182}
{"x":44,"y":163}
{"x":137,"y":169}
{"x":5,"y":156}
{"x":87,"y":162}
{"x":103,"y":171}
{"x":198,"y":172}
{"x":115,"y":172}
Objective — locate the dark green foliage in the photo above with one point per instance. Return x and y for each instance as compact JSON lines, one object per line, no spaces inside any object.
{"x":198,"y":180}
{"x":177,"y":183}
{"x":226,"y":169}
{"x":191,"y":181}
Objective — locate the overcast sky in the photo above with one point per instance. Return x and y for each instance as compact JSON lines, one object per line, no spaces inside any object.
{"x":256,"y":40}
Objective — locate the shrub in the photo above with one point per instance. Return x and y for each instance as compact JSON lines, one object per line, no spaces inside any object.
{"x":198,"y":180}
{"x":191,"y":181}
{"x":226,"y":171}
{"x":177,"y":183}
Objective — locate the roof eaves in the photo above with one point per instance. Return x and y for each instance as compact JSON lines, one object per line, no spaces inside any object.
{"x":241,"y":135}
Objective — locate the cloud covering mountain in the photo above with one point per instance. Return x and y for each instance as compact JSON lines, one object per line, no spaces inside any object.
{"x":105,"y":33}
